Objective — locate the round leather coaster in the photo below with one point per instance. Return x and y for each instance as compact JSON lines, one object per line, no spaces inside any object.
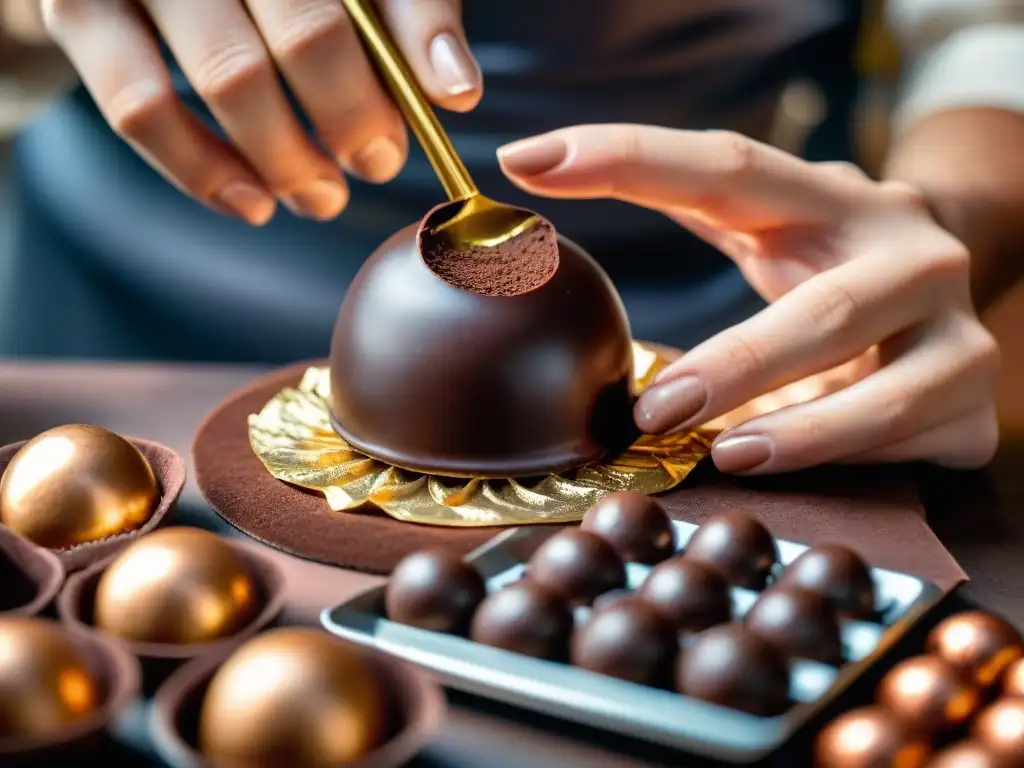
{"x":238,"y":487}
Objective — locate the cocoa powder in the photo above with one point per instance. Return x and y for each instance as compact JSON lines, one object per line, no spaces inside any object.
{"x":519,"y":265}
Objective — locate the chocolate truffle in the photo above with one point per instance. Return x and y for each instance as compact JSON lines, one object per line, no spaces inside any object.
{"x":629,"y":640}
{"x":966,"y":754}
{"x":434,"y":590}
{"x":690,"y":594}
{"x":482,"y":377}
{"x":837,"y":573}
{"x":798,"y":623}
{"x":868,"y":738}
{"x":524,"y":618}
{"x":635,"y":525}
{"x":1000,"y":728}
{"x":1013,"y":679}
{"x":576,"y":566}
{"x":729,"y":666}
{"x":927,"y":695}
{"x":738,"y":545}
{"x":979,"y":645}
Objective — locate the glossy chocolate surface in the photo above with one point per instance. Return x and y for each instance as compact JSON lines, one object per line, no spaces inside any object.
{"x":691,"y":595}
{"x":431,"y":377}
{"x":1013,"y":679}
{"x":1000,"y":727}
{"x":839,"y":574}
{"x":798,"y":623}
{"x":868,"y":738}
{"x":966,"y":754}
{"x":635,"y":525}
{"x":979,"y":645}
{"x":731,"y":667}
{"x":738,"y":545}
{"x":926,"y":694}
{"x":524,"y":618}
{"x":576,"y":566}
{"x":628,"y":640}
{"x":434,"y":590}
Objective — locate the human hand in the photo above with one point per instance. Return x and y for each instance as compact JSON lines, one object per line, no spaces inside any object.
{"x":871,"y":324}
{"x":232,"y":51}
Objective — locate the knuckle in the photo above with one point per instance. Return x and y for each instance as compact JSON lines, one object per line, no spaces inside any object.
{"x":950,"y":261}
{"x":308,"y":27}
{"x":833,"y":308}
{"x":984,"y":356}
{"x":743,"y":355}
{"x":904,"y":194}
{"x":736,"y":153}
{"x":228,"y":68}
{"x":895,"y":415}
{"x":59,"y":13}
{"x":139,"y":108}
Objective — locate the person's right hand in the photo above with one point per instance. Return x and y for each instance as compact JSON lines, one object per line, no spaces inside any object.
{"x":232,"y":52}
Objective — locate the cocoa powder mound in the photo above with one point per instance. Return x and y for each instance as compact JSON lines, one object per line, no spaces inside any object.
{"x":519,"y":265}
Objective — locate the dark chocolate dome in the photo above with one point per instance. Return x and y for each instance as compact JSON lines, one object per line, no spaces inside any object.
{"x":432,"y":377}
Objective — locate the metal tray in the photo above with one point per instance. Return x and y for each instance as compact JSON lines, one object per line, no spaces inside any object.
{"x":659,"y":716}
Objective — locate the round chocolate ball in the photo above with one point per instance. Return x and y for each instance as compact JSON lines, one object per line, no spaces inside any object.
{"x":927,"y":695}
{"x":738,"y":545}
{"x":729,"y":666}
{"x":1000,"y":728}
{"x":576,"y":566}
{"x":798,"y":623}
{"x":688,"y":593}
{"x":629,"y":640}
{"x":46,"y":684}
{"x":292,"y":697}
{"x":524,"y":618}
{"x":435,"y":590}
{"x":979,"y":645}
{"x":1013,"y":679}
{"x":636,"y":526}
{"x":510,"y":377}
{"x":837,"y":573}
{"x":868,"y":738}
{"x":177,"y":585}
{"x":966,"y":754}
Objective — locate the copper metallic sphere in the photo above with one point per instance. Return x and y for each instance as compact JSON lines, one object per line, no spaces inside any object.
{"x":75,"y":484}
{"x":178,"y":585}
{"x":966,"y":754}
{"x":45,"y":682}
{"x":1000,"y":727}
{"x":1013,"y":679}
{"x":868,"y":738}
{"x":927,"y":694}
{"x":292,"y":698}
{"x":979,"y":645}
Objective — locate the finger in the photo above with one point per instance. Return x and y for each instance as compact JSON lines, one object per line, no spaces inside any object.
{"x":221,"y":53}
{"x":119,"y":62}
{"x":967,"y":442}
{"x":726,"y":177}
{"x":319,"y":53}
{"x":821,"y":323}
{"x":948,"y":373}
{"x":430,"y":34}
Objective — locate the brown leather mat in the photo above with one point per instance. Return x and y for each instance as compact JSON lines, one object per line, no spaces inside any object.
{"x":875,"y":510}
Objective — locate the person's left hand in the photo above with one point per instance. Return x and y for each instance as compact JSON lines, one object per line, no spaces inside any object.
{"x":871,"y":313}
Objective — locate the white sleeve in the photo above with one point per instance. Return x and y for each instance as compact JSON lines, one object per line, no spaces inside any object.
{"x":960,"y":53}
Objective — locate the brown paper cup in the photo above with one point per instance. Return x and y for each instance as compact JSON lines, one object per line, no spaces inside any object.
{"x":417,"y":706}
{"x":117,"y":671}
{"x":30,"y":576}
{"x":75,"y":608}
{"x":169,"y":469}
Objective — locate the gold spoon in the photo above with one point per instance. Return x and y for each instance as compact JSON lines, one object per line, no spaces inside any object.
{"x":471,"y":220}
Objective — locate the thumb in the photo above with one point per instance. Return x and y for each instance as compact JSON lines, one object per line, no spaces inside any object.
{"x":430,"y":35}
{"x":723,"y":176}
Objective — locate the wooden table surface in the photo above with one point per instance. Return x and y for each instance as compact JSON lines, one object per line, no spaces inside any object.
{"x":975,"y":515}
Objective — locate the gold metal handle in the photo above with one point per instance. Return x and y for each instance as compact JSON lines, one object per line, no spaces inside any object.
{"x":410,"y":99}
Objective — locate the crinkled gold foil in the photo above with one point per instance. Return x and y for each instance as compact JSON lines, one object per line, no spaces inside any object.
{"x":294,"y":439}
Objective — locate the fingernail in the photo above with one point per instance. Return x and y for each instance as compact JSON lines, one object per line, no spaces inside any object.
{"x":670,"y":404}
{"x":742,"y":453}
{"x":247,"y":202}
{"x":320,"y":200}
{"x":532,"y":157}
{"x":378,"y":161}
{"x":454,"y":65}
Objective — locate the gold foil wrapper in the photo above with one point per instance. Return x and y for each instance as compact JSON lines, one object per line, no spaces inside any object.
{"x":294,"y":439}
